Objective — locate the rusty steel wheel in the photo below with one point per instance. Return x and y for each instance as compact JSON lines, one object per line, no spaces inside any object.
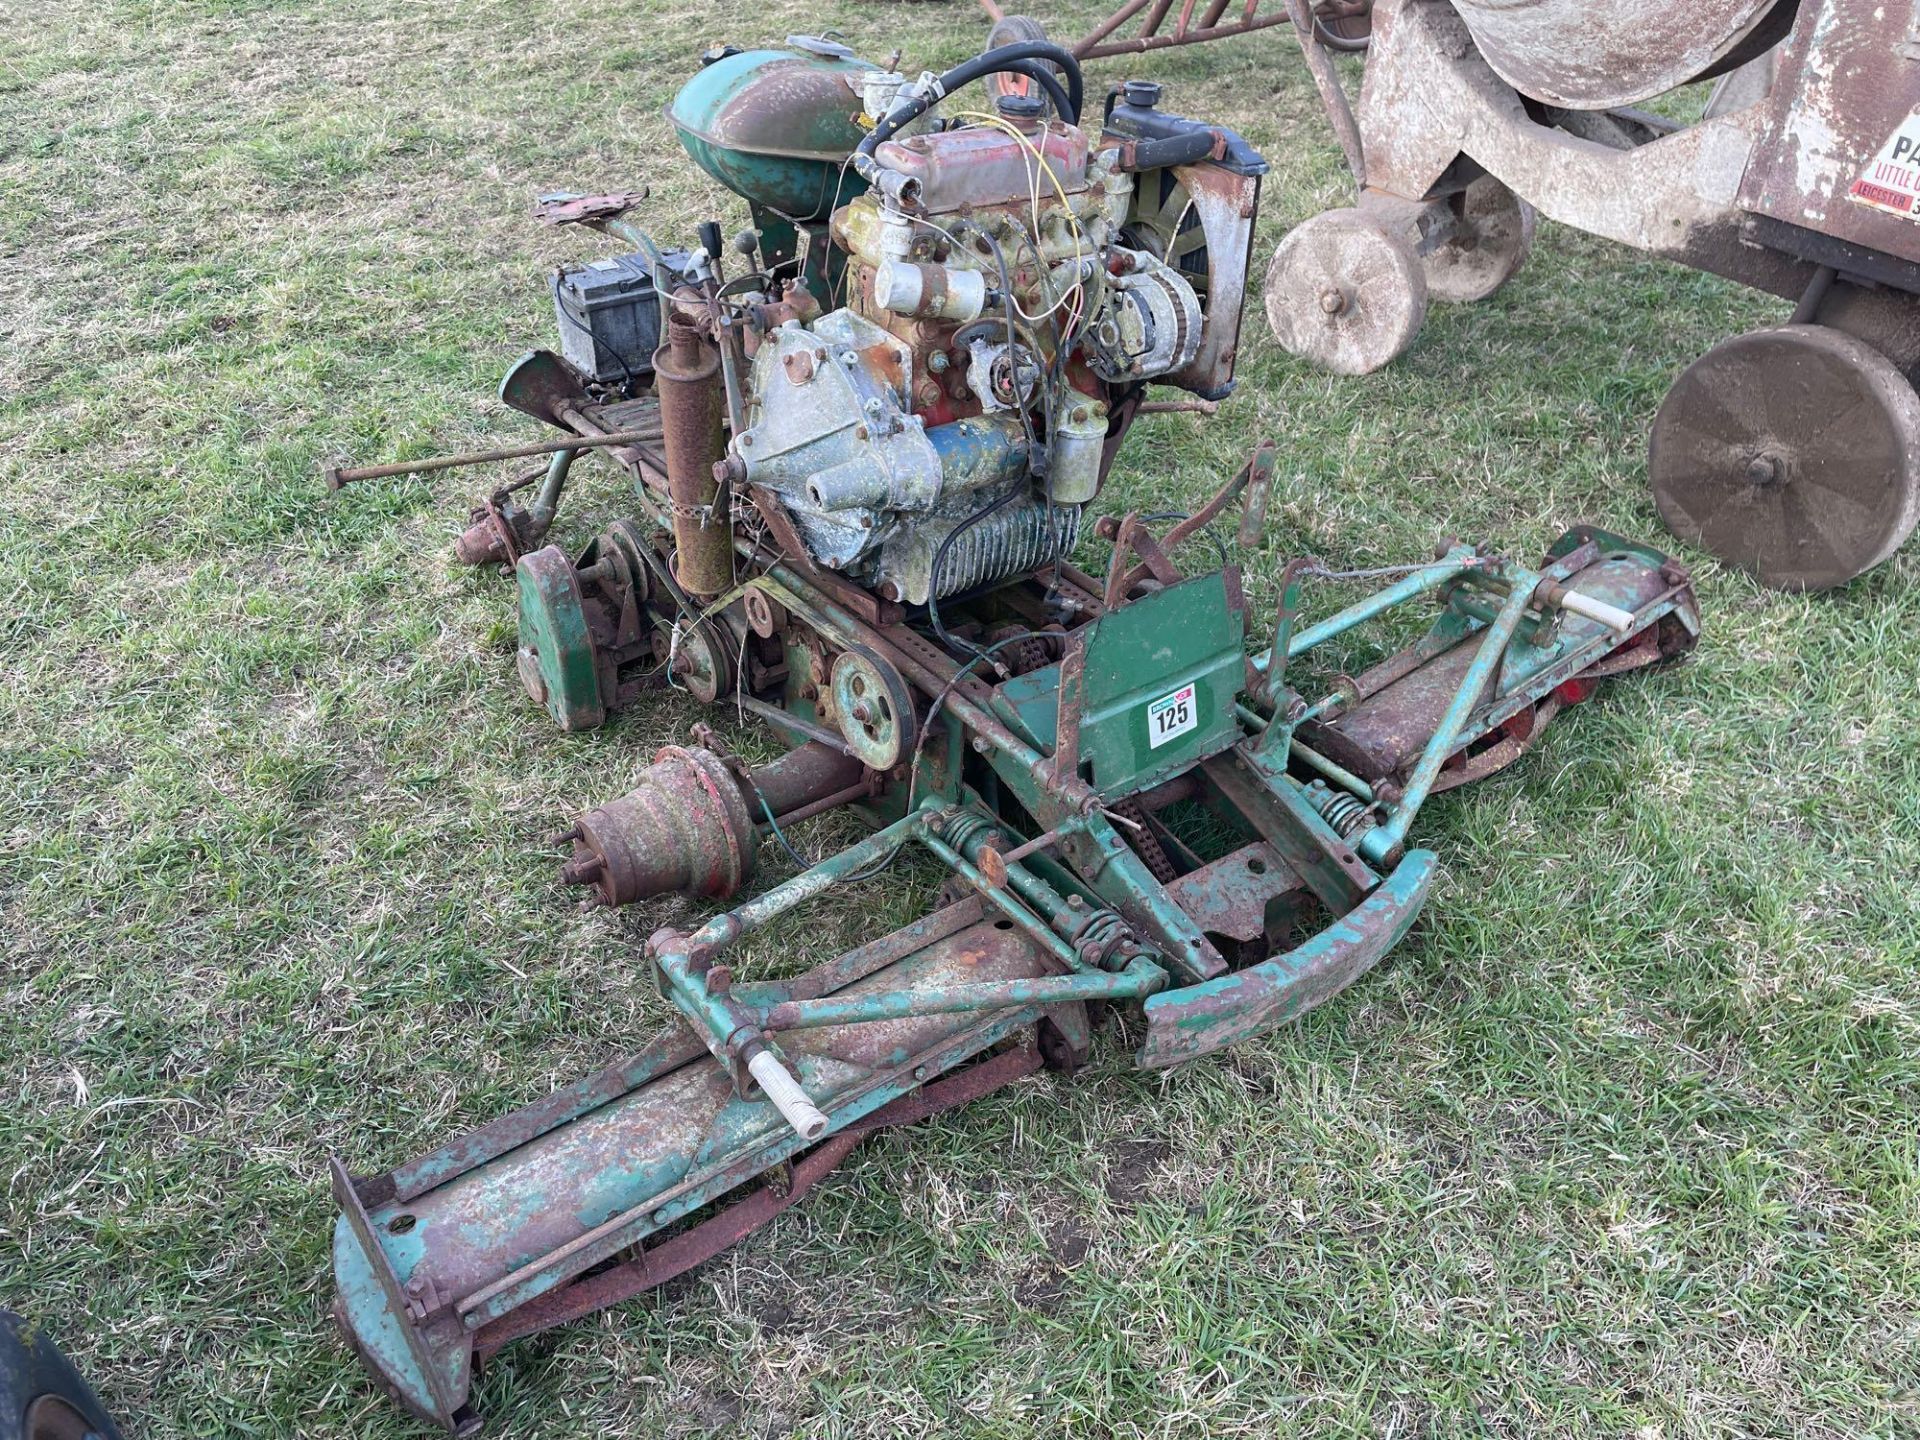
{"x":1345,"y":25}
{"x":1474,"y":242}
{"x":1345,"y":292}
{"x":1793,"y":453}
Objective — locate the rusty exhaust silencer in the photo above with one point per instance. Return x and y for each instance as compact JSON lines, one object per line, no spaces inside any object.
{"x":686,"y":372}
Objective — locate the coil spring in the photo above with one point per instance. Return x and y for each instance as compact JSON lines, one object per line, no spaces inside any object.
{"x":1019,"y":539}
{"x":960,"y":830}
{"x":1101,"y":936}
{"x":1347,"y":815}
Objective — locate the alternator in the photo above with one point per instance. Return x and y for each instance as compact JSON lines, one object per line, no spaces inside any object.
{"x":1148,"y":324}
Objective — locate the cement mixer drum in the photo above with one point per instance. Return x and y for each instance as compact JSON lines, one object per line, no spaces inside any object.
{"x":1597,"y":54}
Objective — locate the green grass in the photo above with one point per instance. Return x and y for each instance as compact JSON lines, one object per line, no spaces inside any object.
{"x":1621,"y":1143}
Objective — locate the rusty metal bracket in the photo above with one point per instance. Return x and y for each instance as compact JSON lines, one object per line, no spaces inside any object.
{"x":586,"y":209}
{"x":1255,"y":477}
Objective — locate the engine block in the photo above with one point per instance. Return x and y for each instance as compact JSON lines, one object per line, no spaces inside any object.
{"x":1009,"y":284}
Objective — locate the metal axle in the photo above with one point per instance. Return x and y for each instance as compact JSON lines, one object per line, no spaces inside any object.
{"x":337,"y":476}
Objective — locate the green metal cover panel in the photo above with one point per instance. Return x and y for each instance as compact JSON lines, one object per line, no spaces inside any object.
{"x":1158,"y":689}
{"x":554,"y":641}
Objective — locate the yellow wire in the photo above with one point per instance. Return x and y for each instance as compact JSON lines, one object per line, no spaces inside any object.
{"x":1033,"y":183}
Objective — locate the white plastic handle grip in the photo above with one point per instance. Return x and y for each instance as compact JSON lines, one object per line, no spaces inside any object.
{"x":785,"y":1092}
{"x":1612,"y":616}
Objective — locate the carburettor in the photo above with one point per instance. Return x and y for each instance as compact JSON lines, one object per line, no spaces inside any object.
{"x":995,"y":304}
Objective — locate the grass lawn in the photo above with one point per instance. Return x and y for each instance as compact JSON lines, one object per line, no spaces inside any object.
{"x":1623,"y":1142}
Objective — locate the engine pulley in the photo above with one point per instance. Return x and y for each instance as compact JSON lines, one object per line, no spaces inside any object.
{"x":874,"y":707}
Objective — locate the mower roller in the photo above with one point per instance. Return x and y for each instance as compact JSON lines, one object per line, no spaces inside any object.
{"x":856,"y":526}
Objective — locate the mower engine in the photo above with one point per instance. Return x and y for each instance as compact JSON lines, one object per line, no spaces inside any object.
{"x":1012,"y":283}
{"x":935,"y":390}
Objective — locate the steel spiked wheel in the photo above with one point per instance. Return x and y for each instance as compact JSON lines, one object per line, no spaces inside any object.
{"x":1793,"y":453}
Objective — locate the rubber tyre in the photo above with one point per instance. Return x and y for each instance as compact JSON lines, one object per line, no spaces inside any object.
{"x":42,"y":1396}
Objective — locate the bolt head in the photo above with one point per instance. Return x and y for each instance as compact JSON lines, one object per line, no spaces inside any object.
{"x":1763,"y":470}
{"x":1332,"y":301}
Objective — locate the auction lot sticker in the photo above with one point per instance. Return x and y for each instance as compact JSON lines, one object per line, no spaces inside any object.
{"x":1892,"y":181}
{"x":1171,"y":715}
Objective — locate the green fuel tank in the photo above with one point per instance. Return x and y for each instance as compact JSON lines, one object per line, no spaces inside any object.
{"x":776,"y":126}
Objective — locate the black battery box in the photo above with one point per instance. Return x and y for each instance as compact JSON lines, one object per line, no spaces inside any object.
{"x":609,"y":315}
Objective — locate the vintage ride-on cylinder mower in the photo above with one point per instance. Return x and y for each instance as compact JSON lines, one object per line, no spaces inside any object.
{"x":1793,"y":451}
{"x":861,"y":464}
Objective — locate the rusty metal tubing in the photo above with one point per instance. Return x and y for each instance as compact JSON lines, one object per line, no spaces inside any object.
{"x":1378,"y":843}
{"x":1091,"y":41}
{"x":546,"y":503}
{"x":805,"y":776}
{"x":1147,"y":43}
{"x":687,"y":374}
{"x":337,"y":476}
{"x":848,"y":796}
{"x":732,"y":357}
{"x":792,"y":723}
{"x":1044,"y":841}
{"x":1333,"y":99}
{"x":1035,"y":926}
{"x":1140,"y":979}
{"x":750,"y":915}
{"x":1457,"y":562}
{"x":1256,"y":724}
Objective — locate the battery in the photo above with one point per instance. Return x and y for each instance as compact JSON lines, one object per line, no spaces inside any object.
{"x":609,"y":316}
